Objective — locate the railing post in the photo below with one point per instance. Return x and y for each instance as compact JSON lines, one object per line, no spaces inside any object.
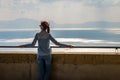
{"x":116,"y":51}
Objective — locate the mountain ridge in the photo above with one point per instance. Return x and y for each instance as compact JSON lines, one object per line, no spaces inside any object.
{"x":31,"y":23}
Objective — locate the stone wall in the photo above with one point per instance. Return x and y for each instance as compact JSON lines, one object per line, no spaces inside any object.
{"x":72,"y":66}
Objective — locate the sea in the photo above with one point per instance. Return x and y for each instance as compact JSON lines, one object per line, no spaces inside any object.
{"x":74,"y":36}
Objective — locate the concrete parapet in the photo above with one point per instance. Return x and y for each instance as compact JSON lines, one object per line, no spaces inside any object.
{"x":72,"y":66}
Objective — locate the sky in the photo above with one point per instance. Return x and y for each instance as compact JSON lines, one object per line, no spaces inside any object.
{"x":61,"y":11}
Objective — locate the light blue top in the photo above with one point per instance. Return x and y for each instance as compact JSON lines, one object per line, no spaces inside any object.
{"x":43,"y":39}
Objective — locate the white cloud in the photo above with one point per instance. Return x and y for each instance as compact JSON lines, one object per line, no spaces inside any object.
{"x":27,"y":1}
{"x":101,"y":3}
{"x":78,"y":40}
{"x":61,"y":11}
{"x":116,"y":2}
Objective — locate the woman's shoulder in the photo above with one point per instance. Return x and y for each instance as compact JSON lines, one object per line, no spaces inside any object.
{"x":43,"y":35}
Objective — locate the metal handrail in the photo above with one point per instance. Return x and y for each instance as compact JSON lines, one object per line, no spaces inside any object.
{"x":65,"y":47}
{"x":116,"y":47}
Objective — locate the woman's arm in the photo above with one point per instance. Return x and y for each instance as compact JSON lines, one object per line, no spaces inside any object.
{"x":32,"y":44}
{"x":57,"y":43}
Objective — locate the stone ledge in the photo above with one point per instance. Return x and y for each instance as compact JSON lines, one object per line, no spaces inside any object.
{"x":72,"y":66}
{"x":62,"y":58}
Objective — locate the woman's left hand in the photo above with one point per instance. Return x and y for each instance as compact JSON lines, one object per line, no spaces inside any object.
{"x":70,"y":46}
{"x":21,"y":46}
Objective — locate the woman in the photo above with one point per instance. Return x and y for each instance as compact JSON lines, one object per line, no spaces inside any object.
{"x":44,"y":50}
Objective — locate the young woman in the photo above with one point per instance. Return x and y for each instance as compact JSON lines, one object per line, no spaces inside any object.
{"x":44,"y":50}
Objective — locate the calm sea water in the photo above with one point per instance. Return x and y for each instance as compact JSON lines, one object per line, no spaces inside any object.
{"x":73,"y":37}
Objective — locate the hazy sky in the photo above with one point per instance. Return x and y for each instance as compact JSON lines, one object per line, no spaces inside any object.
{"x":61,"y":11}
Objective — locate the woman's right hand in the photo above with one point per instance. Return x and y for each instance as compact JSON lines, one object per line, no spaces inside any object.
{"x":21,"y":46}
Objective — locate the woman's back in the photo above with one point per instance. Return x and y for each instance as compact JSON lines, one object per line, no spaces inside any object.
{"x":43,"y":43}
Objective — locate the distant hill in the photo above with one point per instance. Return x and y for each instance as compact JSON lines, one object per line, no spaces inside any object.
{"x":19,"y":23}
{"x":100,"y":24}
{"x":31,"y":23}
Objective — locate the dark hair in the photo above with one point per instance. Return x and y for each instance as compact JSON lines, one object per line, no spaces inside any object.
{"x":45,"y":25}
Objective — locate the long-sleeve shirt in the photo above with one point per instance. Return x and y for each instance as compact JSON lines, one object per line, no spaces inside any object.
{"x":43,"y":39}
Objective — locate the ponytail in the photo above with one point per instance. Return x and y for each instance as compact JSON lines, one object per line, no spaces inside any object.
{"x":45,"y":24}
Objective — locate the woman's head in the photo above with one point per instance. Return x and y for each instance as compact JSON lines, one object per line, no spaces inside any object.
{"x":45,"y":26}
